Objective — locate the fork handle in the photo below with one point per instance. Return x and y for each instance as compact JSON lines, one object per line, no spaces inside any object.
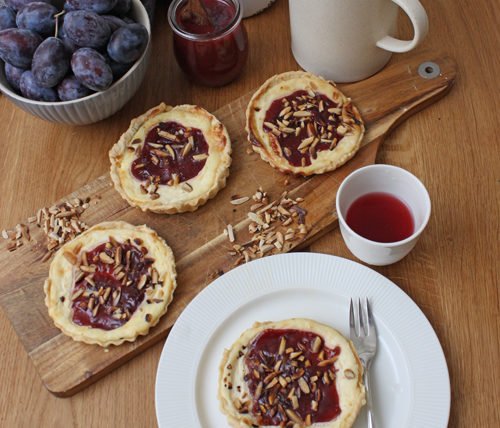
{"x":366,"y":381}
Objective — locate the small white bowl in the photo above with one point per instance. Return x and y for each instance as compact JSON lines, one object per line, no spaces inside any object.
{"x":97,"y":106}
{"x":387,"y":179}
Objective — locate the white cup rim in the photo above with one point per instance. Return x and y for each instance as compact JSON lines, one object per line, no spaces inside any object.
{"x":359,"y":171}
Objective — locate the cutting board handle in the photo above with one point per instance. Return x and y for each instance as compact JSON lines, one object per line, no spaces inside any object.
{"x":402,"y":89}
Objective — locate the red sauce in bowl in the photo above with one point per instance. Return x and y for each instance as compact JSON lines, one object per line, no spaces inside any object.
{"x":380,"y":217}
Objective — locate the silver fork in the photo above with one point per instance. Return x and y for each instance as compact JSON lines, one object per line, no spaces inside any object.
{"x":364,"y":337}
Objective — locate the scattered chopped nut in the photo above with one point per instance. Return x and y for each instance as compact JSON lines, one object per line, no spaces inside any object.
{"x":268,"y":221}
{"x":230,"y":233}
{"x":59,"y":223}
{"x":239,"y":201}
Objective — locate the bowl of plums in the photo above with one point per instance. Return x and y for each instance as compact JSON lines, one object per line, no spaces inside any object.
{"x":75,"y":61}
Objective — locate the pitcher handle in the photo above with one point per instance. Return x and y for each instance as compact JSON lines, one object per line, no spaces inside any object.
{"x":418,"y":17}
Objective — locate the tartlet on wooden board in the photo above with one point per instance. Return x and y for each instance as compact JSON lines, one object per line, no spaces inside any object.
{"x":110,"y":284}
{"x":171,"y":159}
{"x":303,"y":124}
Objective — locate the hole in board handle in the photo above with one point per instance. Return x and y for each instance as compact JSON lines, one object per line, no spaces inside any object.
{"x":429,"y":70}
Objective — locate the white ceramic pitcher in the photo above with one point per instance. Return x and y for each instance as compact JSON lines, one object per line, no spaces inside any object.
{"x":349,"y":40}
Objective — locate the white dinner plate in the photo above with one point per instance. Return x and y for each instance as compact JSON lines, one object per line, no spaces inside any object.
{"x":411,"y":386}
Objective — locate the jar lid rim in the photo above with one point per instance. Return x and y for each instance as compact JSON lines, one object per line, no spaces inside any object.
{"x":172,"y":20}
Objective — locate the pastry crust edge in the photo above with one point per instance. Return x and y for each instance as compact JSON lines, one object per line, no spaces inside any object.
{"x":157,"y":205}
{"x":242,"y":421}
{"x":261,"y":148}
{"x":79,"y":335}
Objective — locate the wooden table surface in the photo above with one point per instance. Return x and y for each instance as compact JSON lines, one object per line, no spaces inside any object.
{"x":452,"y":146}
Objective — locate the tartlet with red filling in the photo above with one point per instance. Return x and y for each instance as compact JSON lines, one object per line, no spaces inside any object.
{"x":171,"y":159}
{"x":110,"y":284}
{"x":291,"y":373}
{"x":302,"y":124}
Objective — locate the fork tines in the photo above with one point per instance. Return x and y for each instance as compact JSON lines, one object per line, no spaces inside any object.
{"x":361,"y":322}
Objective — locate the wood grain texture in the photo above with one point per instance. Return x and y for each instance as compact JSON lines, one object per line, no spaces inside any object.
{"x":452,"y":274}
{"x":384,"y":101}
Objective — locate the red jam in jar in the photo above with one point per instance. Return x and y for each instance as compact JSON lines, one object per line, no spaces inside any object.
{"x":210,"y":41}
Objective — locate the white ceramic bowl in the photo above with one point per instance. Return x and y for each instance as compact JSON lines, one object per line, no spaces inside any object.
{"x":97,"y":106}
{"x":387,"y":179}
{"x":253,"y":7}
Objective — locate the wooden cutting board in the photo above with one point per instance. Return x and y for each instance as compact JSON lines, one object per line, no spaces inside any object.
{"x":197,"y":239}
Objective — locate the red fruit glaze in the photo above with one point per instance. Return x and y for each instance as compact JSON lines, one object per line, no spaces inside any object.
{"x":264,"y":352}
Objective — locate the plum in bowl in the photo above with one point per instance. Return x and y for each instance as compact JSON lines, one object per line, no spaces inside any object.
{"x":77,"y":97}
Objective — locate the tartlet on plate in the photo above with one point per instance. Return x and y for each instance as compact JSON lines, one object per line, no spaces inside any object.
{"x":171,"y":159}
{"x":110,"y":284}
{"x":295,"y":372}
{"x":302,"y":124}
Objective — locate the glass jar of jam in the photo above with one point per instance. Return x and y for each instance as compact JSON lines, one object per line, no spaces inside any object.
{"x":210,"y":41}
